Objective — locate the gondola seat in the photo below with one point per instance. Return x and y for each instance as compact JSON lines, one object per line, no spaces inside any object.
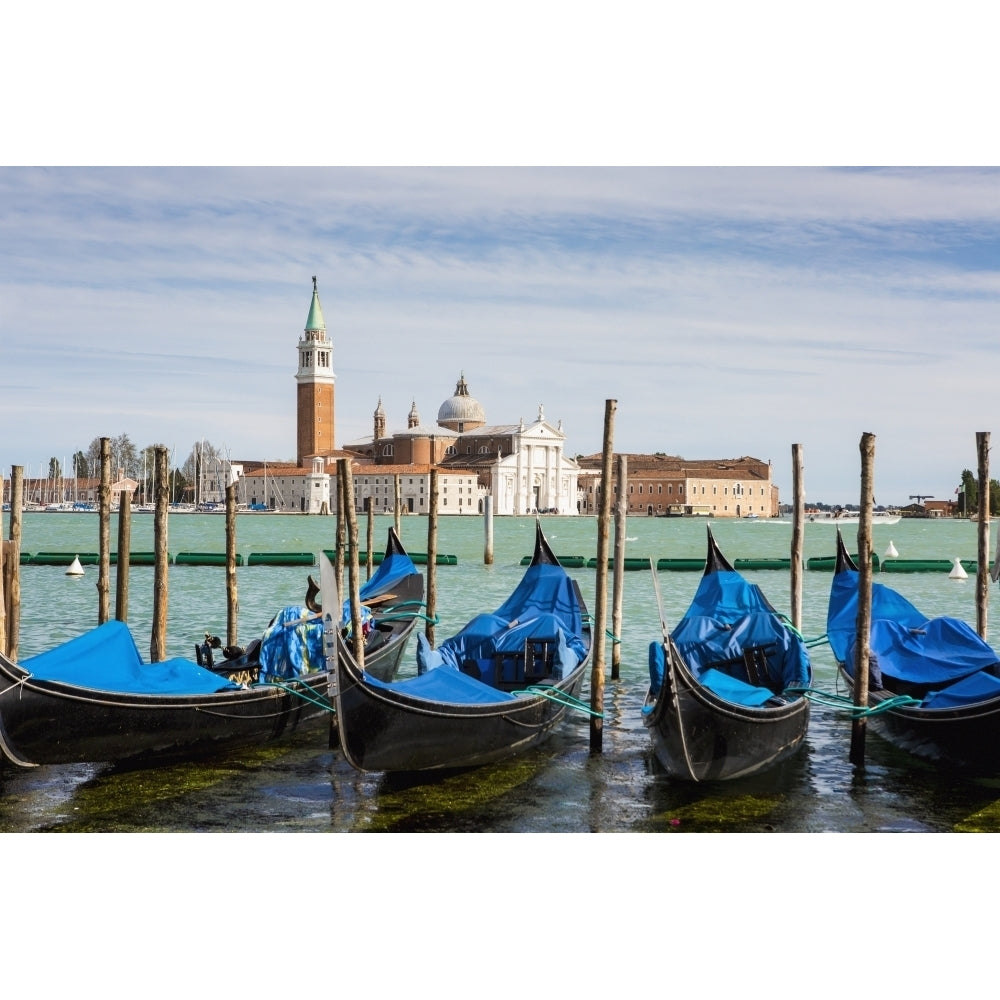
{"x":735,"y":690}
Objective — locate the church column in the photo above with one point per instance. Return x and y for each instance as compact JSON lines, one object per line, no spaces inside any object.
{"x":530,"y":478}
{"x":518,"y":487}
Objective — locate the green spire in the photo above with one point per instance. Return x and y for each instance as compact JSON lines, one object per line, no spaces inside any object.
{"x":315,"y":320}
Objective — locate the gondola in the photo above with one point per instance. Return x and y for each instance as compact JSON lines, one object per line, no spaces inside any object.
{"x":726,"y":696}
{"x":93,"y":699}
{"x":391,"y":602}
{"x":935,"y":683}
{"x":497,"y":687}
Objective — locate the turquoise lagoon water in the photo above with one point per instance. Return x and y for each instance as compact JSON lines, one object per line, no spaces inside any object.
{"x":304,"y":785}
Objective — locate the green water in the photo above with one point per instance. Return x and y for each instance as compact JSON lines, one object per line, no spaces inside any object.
{"x":305,"y":786}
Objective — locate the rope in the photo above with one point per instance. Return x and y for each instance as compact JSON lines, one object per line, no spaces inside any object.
{"x":845,"y":704}
{"x":305,"y":695}
{"x":560,"y":698}
{"x":591,"y":620}
{"x":787,"y":622}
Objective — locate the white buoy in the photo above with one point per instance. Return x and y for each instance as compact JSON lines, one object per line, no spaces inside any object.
{"x":957,"y":571}
{"x":891,"y":553}
{"x":75,"y":569}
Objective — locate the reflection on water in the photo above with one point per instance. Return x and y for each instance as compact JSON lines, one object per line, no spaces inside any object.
{"x":558,"y":787}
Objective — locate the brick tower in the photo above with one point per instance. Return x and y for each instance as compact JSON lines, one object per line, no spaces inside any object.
{"x":315,"y":380}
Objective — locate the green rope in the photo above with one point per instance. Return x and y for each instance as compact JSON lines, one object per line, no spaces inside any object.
{"x":591,"y":620}
{"x":305,"y":695}
{"x":845,"y":704}
{"x":560,"y":697}
{"x":787,"y":622}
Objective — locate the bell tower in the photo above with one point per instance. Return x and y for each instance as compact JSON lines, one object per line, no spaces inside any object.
{"x":315,"y":380}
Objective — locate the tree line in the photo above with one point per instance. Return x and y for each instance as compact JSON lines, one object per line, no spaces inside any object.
{"x":968,"y":494}
{"x":139,"y":463}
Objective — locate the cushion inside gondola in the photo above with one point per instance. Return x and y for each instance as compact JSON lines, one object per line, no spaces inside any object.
{"x":734,"y":690}
{"x":445,"y":684}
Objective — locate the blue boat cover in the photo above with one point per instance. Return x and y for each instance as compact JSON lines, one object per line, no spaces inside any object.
{"x":292,"y":645}
{"x":904,"y":643}
{"x":728,"y":614}
{"x":542,"y":608}
{"x":394,"y":567}
{"x":107,"y":659}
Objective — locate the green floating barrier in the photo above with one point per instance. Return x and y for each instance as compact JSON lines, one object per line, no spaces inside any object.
{"x":377,"y":557}
{"x":66,"y":558}
{"x":629,"y":562}
{"x":926,"y":565}
{"x":204,"y":559}
{"x":140,"y":558}
{"x":776,"y":563}
{"x":829,"y":563}
{"x":567,"y":562}
{"x":681,"y":564}
{"x":419,"y":558}
{"x":25,"y":558}
{"x":281,"y":559}
{"x":91,"y":558}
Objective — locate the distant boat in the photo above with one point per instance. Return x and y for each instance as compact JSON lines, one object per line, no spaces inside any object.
{"x":839,"y":516}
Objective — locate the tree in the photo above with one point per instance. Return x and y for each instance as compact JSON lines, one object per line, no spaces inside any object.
{"x":970,"y":491}
{"x":124,"y":456}
{"x":55,"y":469}
{"x":81,"y":467}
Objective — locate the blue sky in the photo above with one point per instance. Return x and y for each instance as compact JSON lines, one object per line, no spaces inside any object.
{"x":730,"y":310}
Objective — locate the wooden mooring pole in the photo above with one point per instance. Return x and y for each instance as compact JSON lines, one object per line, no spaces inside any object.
{"x":618,"y":580}
{"x":601,"y":588}
{"x":488,"y":530}
{"x":798,"y":535}
{"x":161,"y":558}
{"x":124,"y":555}
{"x":104,"y":535}
{"x":432,"y":530}
{"x":859,"y":726}
{"x":232,"y":598}
{"x":338,"y":555}
{"x":353,"y":567}
{"x":983,"y":533}
{"x":370,"y":541}
{"x":12,"y":580}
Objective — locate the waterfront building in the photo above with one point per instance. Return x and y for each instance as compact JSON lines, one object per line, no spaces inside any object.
{"x":669,"y":486}
{"x":523,"y":467}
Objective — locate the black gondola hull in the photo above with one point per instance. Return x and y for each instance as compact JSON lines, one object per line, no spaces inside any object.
{"x":382,"y":730}
{"x":697,"y":734}
{"x":43,"y":722}
{"x":966,"y":737}
{"x":698,"y":737}
{"x":383,"y":727}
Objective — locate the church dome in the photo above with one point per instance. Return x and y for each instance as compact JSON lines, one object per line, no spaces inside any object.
{"x":461,"y":412}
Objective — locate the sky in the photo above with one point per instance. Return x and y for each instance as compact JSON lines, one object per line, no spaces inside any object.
{"x":733,"y":309}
